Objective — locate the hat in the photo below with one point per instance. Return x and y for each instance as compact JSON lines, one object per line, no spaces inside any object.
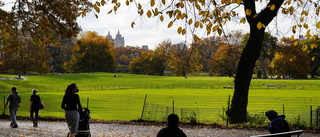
{"x":271,"y":113}
{"x":14,"y":88}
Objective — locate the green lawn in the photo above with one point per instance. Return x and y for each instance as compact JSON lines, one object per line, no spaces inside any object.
{"x":122,"y":98}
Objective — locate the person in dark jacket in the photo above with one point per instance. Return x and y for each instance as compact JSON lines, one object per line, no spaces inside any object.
{"x":71,"y":104}
{"x":14,"y":99}
{"x":278,"y":123}
{"x":35,"y":101}
{"x":172,"y":130}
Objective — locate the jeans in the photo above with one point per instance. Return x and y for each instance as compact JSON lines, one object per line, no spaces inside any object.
{"x":13,"y":116}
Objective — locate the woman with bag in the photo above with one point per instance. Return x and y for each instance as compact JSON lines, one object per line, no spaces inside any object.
{"x":69,"y":103}
{"x":35,"y":105}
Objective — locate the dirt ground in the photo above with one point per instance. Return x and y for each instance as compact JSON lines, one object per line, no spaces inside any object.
{"x":60,"y":129}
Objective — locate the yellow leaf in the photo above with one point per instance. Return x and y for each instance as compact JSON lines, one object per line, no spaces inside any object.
{"x":259,"y":25}
{"x":96,"y":15}
{"x":291,"y":61}
{"x":149,"y":13}
{"x":296,"y":43}
{"x":109,"y":12}
{"x":215,"y":28}
{"x":313,"y":58}
{"x":305,"y":47}
{"x":304,"y":13}
{"x":152,"y":3}
{"x":84,"y":13}
{"x":294,"y":29}
{"x":196,"y":24}
{"x":179,"y":30}
{"x":243,"y":20}
{"x":96,"y":8}
{"x":98,"y":4}
{"x":127,"y":2}
{"x":103,"y":2}
{"x":272,"y":7}
{"x":238,"y":2}
{"x":195,"y":38}
{"x":190,"y":21}
{"x":313,"y":46}
{"x":139,"y":6}
{"x":141,"y":12}
{"x":170,"y":24}
{"x":302,"y":19}
{"x":248,"y":12}
{"x":318,"y":24}
{"x":184,"y":31}
{"x":132,"y":24}
{"x":255,"y":16}
{"x":163,"y":2}
{"x":292,"y":38}
{"x":219,"y":31}
{"x":161,"y":18}
{"x":305,"y":25}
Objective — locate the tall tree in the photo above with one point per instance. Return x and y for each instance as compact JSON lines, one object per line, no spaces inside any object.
{"x":184,"y":60}
{"x":311,"y":47}
{"x":44,"y":20}
{"x":268,"y":50}
{"x":93,"y":53}
{"x":291,"y":61}
{"x":26,"y":57}
{"x":225,"y":60}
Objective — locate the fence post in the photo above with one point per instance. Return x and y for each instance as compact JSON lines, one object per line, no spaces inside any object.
{"x":310,"y":115}
{"x":181,"y":115}
{"x":317,"y":122}
{"x":173,"y":107}
{"x":282,"y":109}
{"x":4,"y":103}
{"x":87,"y":102}
{"x":144,"y":104}
{"x":228,"y":110}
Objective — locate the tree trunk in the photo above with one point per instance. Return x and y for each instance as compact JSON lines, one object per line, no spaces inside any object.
{"x":250,"y":54}
{"x":248,"y":58}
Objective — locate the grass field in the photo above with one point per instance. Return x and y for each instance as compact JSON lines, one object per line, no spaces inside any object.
{"x":122,"y":98}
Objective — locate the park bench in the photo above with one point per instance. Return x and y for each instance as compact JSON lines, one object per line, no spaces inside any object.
{"x":295,"y":132}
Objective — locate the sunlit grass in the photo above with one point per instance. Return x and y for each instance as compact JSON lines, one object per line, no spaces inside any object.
{"x":108,"y":102}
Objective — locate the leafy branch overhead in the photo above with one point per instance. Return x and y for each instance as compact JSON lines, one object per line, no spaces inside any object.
{"x":211,"y":16}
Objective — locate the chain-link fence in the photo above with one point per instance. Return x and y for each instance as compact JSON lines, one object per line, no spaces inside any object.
{"x":204,"y":109}
{"x":166,"y":86}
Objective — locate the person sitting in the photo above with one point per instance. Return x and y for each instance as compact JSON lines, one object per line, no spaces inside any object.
{"x":278,"y":123}
{"x":172,"y":129}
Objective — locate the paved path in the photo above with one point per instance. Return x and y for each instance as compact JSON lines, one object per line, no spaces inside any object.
{"x":59,"y":129}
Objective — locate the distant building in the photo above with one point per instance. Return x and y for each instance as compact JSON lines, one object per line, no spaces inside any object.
{"x":118,"y":40}
{"x":145,"y":47}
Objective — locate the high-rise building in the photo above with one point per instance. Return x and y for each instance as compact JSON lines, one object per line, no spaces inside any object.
{"x":145,"y":47}
{"x":118,"y":40}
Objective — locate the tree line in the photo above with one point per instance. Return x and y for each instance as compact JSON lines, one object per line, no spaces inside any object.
{"x":218,"y":56}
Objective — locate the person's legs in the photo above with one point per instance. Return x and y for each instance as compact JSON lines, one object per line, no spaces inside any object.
{"x":13,"y":115}
{"x":36,"y":115}
{"x":72,"y":119}
{"x":31,"y":116}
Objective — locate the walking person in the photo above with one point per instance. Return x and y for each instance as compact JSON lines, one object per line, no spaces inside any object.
{"x":278,"y":123}
{"x":69,"y":103}
{"x":35,"y":105}
{"x":14,"y":99}
{"x":172,"y":130}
